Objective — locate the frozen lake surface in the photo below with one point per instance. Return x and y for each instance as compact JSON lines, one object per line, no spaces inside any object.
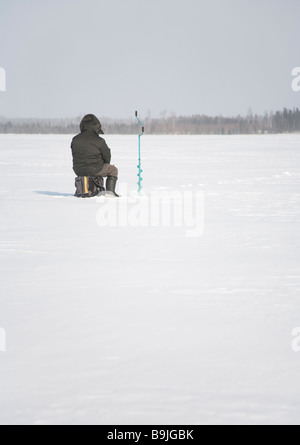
{"x":144,"y":325}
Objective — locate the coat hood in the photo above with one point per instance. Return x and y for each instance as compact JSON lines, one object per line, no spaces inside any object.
{"x":91,"y":123}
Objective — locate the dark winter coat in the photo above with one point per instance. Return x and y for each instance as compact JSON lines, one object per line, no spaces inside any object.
{"x":89,"y":150}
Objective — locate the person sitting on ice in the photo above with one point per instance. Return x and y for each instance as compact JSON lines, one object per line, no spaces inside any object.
{"x":91,"y":155}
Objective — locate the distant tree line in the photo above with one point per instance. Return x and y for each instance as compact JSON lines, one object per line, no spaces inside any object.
{"x":39,"y":126}
{"x":286,"y":121}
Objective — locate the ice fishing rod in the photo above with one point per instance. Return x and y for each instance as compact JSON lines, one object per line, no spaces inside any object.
{"x":140,"y":161}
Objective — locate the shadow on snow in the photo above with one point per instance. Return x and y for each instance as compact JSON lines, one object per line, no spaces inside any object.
{"x":57,"y":194}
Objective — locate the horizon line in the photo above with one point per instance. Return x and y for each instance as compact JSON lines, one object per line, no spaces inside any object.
{"x":147,"y":116}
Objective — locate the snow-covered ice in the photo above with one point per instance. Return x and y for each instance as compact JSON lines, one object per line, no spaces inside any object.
{"x":143,"y":325}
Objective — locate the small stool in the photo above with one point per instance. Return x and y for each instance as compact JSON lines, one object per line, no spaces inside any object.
{"x":89,"y":186}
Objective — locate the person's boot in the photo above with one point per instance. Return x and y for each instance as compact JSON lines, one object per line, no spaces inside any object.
{"x":111,"y":182}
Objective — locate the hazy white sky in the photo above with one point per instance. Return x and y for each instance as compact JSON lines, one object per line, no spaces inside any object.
{"x":69,"y":57}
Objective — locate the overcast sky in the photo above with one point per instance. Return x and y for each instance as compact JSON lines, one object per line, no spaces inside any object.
{"x":65,"y":58}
